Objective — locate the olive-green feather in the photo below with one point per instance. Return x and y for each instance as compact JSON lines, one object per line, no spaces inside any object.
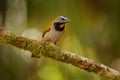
{"x":48,"y":27}
{"x":45,"y":31}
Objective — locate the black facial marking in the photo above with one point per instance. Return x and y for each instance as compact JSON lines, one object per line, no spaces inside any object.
{"x":57,"y":27}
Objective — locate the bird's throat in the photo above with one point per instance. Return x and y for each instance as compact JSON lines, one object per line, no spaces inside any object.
{"x":62,"y":25}
{"x":59,"y":26}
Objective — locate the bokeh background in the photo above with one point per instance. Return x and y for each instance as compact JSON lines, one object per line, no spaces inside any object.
{"x":94,"y":32}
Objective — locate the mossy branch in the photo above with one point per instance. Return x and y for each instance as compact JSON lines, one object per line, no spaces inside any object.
{"x":51,"y":51}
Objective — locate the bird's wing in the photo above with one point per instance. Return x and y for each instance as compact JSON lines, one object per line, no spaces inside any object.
{"x":45,"y":31}
{"x":48,"y":27}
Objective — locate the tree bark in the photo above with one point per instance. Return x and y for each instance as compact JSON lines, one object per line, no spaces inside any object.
{"x":52,"y":51}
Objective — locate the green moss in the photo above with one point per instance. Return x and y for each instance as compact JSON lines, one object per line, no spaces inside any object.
{"x":52,"y":51}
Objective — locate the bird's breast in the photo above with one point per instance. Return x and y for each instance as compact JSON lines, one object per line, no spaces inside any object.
{"x":53,"y":35}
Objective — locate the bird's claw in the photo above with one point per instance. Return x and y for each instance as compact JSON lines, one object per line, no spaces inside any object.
{"x":59,"y":49}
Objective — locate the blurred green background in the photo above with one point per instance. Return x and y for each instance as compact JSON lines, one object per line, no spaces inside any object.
{"x":94,"y":32}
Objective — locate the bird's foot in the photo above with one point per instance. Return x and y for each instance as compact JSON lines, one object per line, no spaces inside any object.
{"x":59,"y":49}
{"x":43,"y":43}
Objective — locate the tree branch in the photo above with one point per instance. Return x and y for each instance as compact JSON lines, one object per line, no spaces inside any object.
{"x":51,"y":51}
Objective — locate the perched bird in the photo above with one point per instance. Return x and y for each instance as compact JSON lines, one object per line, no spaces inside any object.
{"x":55,"y":30}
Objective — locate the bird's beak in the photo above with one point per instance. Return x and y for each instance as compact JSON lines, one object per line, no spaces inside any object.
{"x":68,"y":21}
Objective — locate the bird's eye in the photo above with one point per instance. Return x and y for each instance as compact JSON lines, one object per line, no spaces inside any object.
{"x":63,"y":18}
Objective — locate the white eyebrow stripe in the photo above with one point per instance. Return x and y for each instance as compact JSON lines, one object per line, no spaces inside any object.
{"x":63,"y":17}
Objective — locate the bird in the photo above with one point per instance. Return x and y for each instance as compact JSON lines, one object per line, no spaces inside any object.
{"x":55,"y":30}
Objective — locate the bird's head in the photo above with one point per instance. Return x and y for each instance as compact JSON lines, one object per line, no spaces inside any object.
{"x":62,"y":19}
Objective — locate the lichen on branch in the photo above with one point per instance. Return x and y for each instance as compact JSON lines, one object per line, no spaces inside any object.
{"x":52,"y":51}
